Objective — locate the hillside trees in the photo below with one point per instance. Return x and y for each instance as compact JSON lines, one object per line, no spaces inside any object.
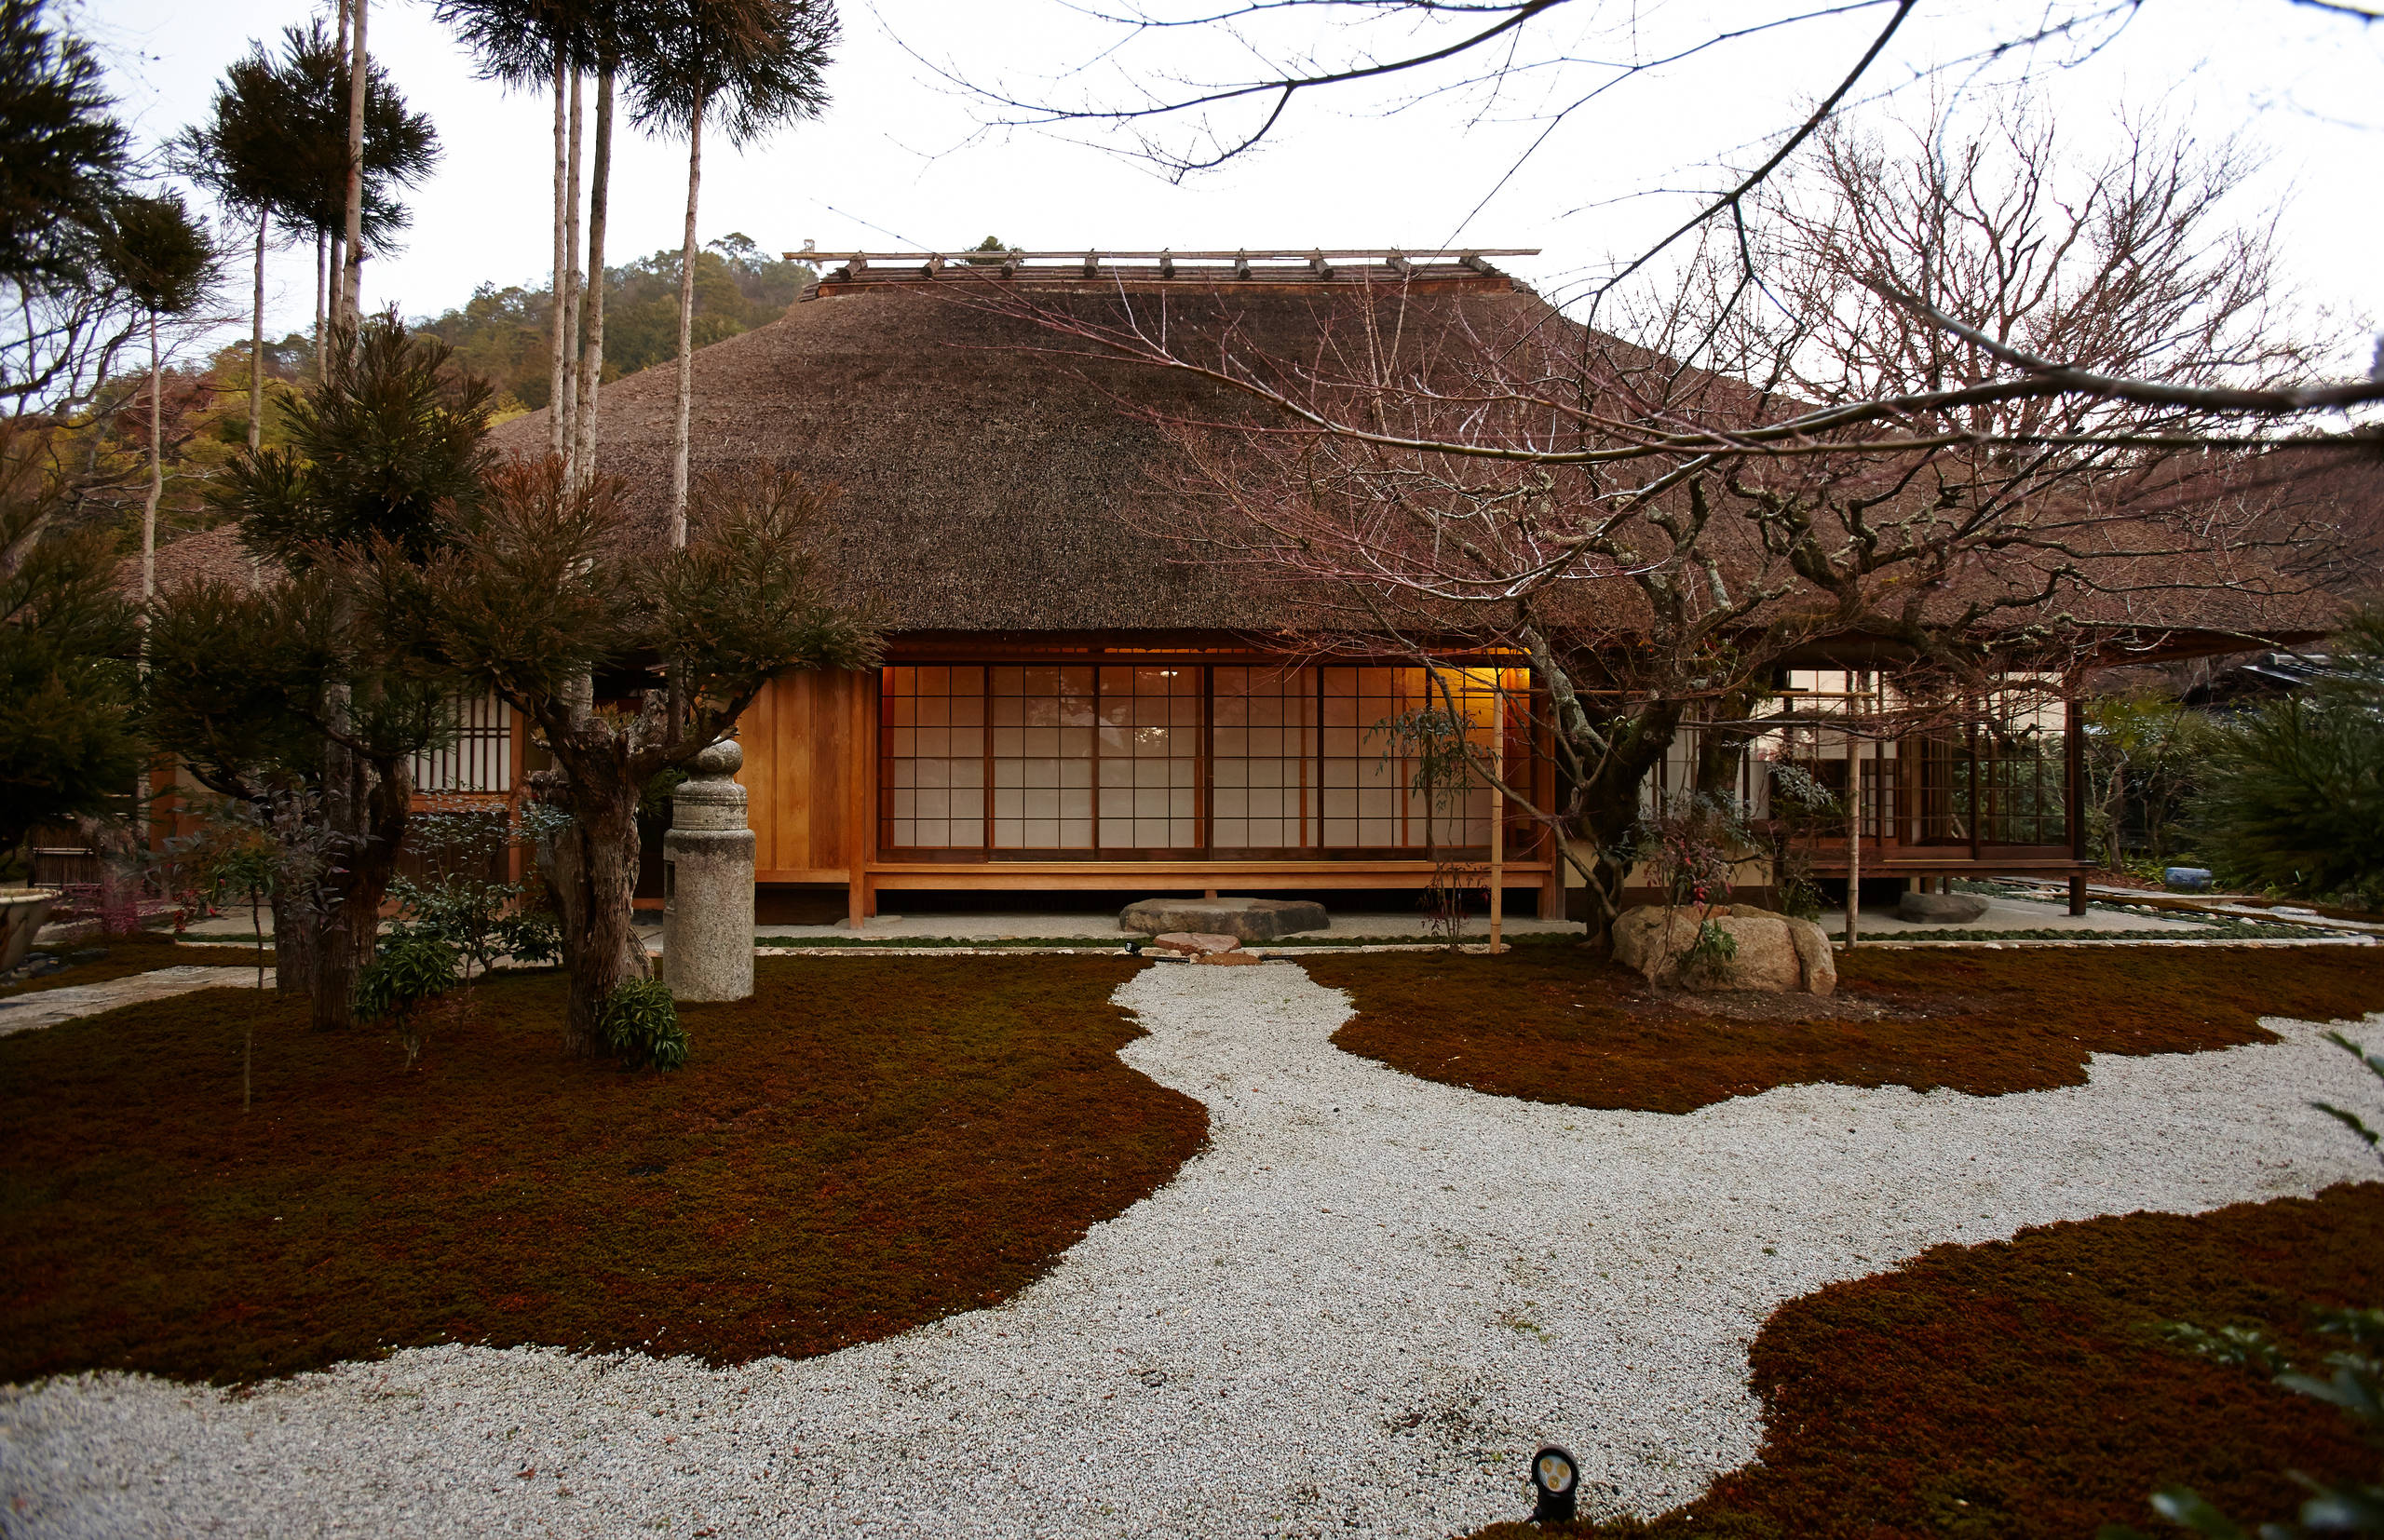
{"x":501,"y":334}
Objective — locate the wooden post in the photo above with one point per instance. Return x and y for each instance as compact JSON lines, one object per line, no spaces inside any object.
{"x":1853,"y":836}
{"x":1497,"y":816}
{"x":858,"y":838}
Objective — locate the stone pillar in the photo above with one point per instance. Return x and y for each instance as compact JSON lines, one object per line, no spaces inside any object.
{"x":707,"y":883}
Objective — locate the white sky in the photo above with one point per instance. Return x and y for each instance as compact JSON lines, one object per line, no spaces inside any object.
{"x":896,"y":162}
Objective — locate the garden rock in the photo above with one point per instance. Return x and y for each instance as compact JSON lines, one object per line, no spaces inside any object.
{"x":1197,"y":945}
{"x":1775,"y":955}
{"x":1243,"y":919}
{"x":1940,"y":909}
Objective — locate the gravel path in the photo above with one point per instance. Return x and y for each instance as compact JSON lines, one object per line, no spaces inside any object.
{"x":1356,"y":1312}
{"x":47,"y":1007}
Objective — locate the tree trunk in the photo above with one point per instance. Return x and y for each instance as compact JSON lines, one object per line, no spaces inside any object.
{"x":678,"y":431}
{"x":157,"y":471}
{"x":591,"y":354}
{"x":591,"y":867}
{"x":322,"y":259}
{"x":352,"y":287}
{"x":256,"y":344}
{"x":571,"y":283}
{"x":371,"y":812}
{"x":559,"y":344}
{"x":297,"y":939}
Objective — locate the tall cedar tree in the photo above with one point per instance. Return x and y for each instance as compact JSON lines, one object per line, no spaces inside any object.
{"x":167,"y":264}
{"x":547,"y":585}
{"x":290,"y":687}
{"x":746,"y":67}
{"x":526,"y":44}
{"x":274,"y":146}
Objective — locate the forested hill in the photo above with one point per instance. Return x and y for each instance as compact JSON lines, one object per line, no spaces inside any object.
{"x":501,"y":334}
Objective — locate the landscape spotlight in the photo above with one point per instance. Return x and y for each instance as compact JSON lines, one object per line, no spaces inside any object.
{"x":1555,"y":1480}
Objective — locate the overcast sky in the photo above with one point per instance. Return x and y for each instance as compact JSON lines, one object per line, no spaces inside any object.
{"x":901,"y":160}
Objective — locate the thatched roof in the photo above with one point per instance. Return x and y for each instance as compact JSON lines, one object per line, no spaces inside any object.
{"x":995,"y":479}
{"x":987,"y":485}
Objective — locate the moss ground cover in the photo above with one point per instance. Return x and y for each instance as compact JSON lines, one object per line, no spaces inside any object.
{"x":1552,"y":1025}
{"x":2023,"y":1388}
{"x":866,"y":1145}
{"x":135,"y":954}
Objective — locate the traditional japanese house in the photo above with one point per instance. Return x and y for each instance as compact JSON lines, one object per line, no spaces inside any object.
{"x":1069,"y":703}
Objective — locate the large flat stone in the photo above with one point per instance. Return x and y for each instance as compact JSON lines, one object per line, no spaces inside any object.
{"x":1940,"y":909}
{"x":1243,"y":919}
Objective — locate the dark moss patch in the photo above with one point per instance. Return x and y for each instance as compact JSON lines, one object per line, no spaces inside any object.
{"x":2021,"y":1387}
{"x":866,"y":1145}
{"x":1557,"y":1026}
{"x":134,"y":954}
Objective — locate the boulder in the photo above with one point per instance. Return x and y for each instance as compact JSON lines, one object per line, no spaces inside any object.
{"x":1243,"y":919}
{"x":1940,"y":909}
{"x":1194,"y":945}
{"x":1775,"y":953}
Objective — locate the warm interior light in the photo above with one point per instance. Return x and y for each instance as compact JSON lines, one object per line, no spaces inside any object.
{"x":1554,"y":1472}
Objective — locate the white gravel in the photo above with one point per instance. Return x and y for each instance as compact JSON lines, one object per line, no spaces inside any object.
{"x":1358,"y":1311}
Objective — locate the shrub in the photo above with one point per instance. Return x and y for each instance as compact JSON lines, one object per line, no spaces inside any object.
{"x":482,"y":917}
{"x":2294,"y":799}
{"x":410,"y":966}
{"x":640,"y":1025}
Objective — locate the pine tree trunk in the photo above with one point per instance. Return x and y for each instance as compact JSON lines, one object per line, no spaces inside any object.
{"x":591,"y":356}
{"x":322,"y":261}
{"x":591,"y":869}
{"x":256,"y":344}
{"x":157,"y":471}
{"x":351,"y":287}
{"x":680,"y":430}
{"x":371,"y":812}
{"x":571,"y":283}
{"x":294,"y":945}
{"x":559,"y":358}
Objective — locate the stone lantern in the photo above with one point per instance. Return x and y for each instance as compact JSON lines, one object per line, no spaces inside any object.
{"x":707,"y":883}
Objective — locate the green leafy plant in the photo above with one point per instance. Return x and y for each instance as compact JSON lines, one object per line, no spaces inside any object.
{"x":640,"y":1025}
{"x":2293,"y":800}
{"x":1714,"y":949}
{"x":460,"y":899}
{"x":412,"y":967}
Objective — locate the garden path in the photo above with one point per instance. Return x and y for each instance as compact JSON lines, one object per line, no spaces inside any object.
{"x":47,"y":1007}
{"x":1356,"y":1312}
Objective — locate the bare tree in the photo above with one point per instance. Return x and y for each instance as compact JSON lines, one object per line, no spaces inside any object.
{"x":1138,"y":96}
{"x":1660,"y":521}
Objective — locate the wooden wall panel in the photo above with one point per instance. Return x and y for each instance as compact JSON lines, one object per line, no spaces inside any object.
{"x":798,"y":751}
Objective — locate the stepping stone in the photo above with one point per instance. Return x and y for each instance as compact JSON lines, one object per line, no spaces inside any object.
{"x":1196,"y":946}
{"x":1243,"y":919}
{"x":49,"y":1006}
{"x":1940,"y":909}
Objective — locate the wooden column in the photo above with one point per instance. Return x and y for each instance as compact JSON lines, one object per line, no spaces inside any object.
{"x":2073,"y":774}
{"x":861,"y":787}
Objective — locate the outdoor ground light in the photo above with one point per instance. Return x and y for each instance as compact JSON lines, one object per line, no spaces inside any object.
{"x":1555,"y":1477}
